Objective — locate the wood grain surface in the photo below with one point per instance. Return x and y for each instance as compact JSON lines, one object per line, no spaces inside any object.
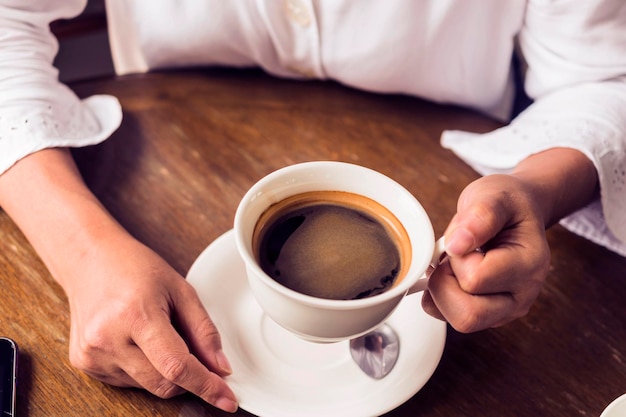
{"x":191,"y":144}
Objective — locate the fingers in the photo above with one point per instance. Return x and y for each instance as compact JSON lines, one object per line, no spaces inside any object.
{"x":172,"y":358}
{"x":466,"y":311}
{"x":141,"y":348}
{"x":144,"y":375}
{"x":156,"y":359}
{"x":496,"y":271}
{"x":200,"y":332}
{"x":474,"y":290}
{"x":429,"y":306}
{"x":137,"y":323}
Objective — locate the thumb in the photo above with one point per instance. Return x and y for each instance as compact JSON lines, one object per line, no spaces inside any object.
{"x":480,"y":217}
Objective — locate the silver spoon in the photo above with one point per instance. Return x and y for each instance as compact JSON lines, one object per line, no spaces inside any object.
{"x":376,"y":352}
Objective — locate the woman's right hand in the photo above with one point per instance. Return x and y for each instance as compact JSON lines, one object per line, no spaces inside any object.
{"x":137,"y":323}
{"x":134,"y":320}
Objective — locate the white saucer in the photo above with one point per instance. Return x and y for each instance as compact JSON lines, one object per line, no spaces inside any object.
{"x":617,"y":408}
{"x":277,"y":374}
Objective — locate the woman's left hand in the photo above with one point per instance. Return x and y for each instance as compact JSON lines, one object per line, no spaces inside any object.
{"x":498,"y":256}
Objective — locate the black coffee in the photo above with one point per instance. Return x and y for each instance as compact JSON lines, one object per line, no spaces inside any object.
{"x":331,"y":244}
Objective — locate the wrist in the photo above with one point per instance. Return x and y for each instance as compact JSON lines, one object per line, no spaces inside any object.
{"x":559,"y":180}
{"x":45,"y":196}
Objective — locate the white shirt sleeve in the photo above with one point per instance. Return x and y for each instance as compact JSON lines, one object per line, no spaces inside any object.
{"x":575,"y":52}
{"x":36,"y":110}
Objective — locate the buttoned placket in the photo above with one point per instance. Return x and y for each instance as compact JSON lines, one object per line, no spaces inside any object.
{"x":301,"y":16}
{"x":292,"y":25}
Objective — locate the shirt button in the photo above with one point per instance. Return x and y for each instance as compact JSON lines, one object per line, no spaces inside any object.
{"x":297,"y":12}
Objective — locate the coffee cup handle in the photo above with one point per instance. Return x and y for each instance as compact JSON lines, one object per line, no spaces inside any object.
{"x":438,"y":253}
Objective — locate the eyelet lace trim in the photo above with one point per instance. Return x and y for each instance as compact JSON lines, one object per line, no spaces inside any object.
{"x":80,"y":123}
{"x":603,"y":221}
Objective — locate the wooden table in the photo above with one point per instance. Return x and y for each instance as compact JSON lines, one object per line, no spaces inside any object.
{"x":193,"y":142}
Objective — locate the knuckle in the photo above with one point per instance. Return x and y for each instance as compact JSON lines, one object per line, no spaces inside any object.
{"x":484,"y":214}
{"x":206,"y":328}
{"x":539,"y":271}
{"x":85,"y":353}
{"x":524,"y":301}
{"x":82,"y":361}
{"x":173,"y":368}
{"x":471,"y":282}
{"x":208,"y":389}
{"x":165,"y":389}
{"x":468,"y":323}
{"x":94,"y":340}
{"x":138,"y":319}
{"x":470,"y":273}
{"x":523,"y":310}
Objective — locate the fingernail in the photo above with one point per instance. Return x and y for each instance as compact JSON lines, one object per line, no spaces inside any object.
{"x":226,"y":404}
{"x":459,"y":243}
{"x":223,"y":362}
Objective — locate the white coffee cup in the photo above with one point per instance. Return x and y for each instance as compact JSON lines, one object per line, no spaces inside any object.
{"x":323,"y":319}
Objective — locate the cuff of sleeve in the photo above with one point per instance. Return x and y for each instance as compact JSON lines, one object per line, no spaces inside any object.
{"x":587,"y":119}
{"x":86,"y":122}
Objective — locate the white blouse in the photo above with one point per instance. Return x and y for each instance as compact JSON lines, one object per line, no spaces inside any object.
{"x":449,"y":51}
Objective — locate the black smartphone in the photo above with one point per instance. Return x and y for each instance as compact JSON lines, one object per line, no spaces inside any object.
{"x":8,"y":376}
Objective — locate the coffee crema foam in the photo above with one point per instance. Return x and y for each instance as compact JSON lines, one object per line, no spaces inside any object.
{"x":332,"y":244}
